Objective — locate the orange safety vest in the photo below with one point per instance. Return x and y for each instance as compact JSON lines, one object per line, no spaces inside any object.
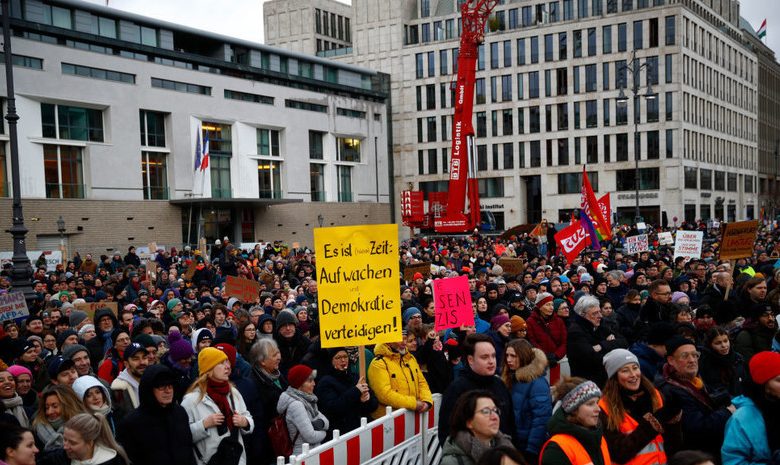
{"x":574,"y":451}
{"x":653,"y":453}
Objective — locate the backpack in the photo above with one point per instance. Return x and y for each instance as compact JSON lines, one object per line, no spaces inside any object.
{"x":279,"y":436}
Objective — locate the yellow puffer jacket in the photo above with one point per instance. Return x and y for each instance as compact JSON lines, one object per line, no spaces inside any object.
{"x":396,"y":380}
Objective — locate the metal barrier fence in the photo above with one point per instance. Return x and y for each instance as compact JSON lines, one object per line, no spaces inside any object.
{"x":401,"y":437}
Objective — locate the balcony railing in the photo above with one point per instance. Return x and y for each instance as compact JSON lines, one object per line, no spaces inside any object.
{"x":157,"y":193}
{"x":64,"y":191}
{"x":270,"y":194}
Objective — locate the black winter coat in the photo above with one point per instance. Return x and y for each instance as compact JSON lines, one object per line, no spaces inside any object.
{"x":583,"y":358}
{"x":156,"y":435}
{"x":468,"y":381}
{"x":339,"y":400}
{"x":261,"y":395}
{"x":724,"y":311}
{"x":292,"y":349}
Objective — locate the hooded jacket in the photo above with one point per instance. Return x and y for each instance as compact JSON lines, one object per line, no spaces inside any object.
{"x":590,"y":439}
{"x":745,"y":441}
{"x":100,"y":345}
{"x":84,"y":384}
{"x":396,"y":380}
{"x":532,"y":403}
{"x":299,"y":418}
{"x":153,"y":434}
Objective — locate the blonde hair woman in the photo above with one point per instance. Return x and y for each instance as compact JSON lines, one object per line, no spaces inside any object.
{"x":58,"y":404}
{"x":88,"y":440}
{"x":215,"y":407}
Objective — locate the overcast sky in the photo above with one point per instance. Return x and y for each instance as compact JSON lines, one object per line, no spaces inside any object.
{"x":244,"y":18}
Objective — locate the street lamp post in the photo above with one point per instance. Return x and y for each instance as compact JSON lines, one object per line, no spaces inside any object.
{"x":623,"y":100}
{"x":21,"y":275}
{"x":61,"y":230}
{"x":320,"y":220}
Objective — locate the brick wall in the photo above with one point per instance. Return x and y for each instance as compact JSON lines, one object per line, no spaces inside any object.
{"x":104,"y":223}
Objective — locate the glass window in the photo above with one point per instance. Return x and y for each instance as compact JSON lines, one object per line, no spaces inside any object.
{"x":482,"y":158}
{"x":533,"y":84}
{"x":691,"y":178}
{"x":577,"y":44}
{"x":653,"y":146}
{"x":507,"y":53}
{"x":669,"y":33}
{"x":419,"y":65}
{"x":481,"y":118}
{"x":622,"y":37}
{"x":507,"y":122}
{"x":562,"y":81}
{"x":582,"y":8}
{"x":652,"y":70}
{"x":669,"y":106}
{"x":652,"y":109}
{"x":430,"y":96}
{"x":652,"y":24}
{"x":534,"y":119}
{"x":149,"y":36}
{"x":548,"y":83}
{"x":494,"y":57}
{"x":317,"y":182}
{"x":154,"y":175}
{"x":520,"y":51}
{"x":425,"y":30}
{"x":316,"y":145}
{"x":568,"y":8}
{"x":506,"y":88}
{"x":267,"y":142}
{"x":534,"y":49}
{"x":563,"y":152}
{"x":668,"y":69}
{"x":431,"y":64}
{"x":63,"y":172}
{"x":591,"y":41}
{"x":536,"y":154}
{"x":638,"y":35}
{"x":607,"y":148}
{"x":444,"y":68}
{"x":74,"y":123}
{"x":592,"y":149}
{"x":621,"y":147}
{"x":606,"y":39}
{"x":348,"y":148}
{"x":571,"y":183}
{"x":649,"y":179}
{"x":705,"y":179}
{"x":479,"y":90}
{"x":491,"y":187}
{"x":509,"y":156}
{"x":590,"y":78}
{"x":605,"y":81}
{"x":219,"y":138}
{"x":344,"y":183}
{"x":606,"y":112}
{"x":621,"y":113}
{"x":152,"y":128}
{"x":481,"y":57}
{"x":591,"y":114}
{"x":669,"y":143}
{"x":521,"y":120}
{"x":554,"y":14}
{"x":720,"y":180}
{"x":628,"y":5}
{"x":548,"y":47}
{"x":433,"y":162}
{"x":563,"y":116}
{"x":577,"y":115}
{"x":562,"y":45}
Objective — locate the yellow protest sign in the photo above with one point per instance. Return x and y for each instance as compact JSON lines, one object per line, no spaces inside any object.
{"x":738,"y":240}
{"x":358,"y":285}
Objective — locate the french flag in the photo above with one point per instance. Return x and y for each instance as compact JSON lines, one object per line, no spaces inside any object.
{"x":205,"y":159}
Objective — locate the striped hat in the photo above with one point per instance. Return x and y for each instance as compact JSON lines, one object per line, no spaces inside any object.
{"x":579,"y":395}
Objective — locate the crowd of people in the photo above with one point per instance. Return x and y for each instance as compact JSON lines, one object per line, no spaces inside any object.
{"x":632,"y":359}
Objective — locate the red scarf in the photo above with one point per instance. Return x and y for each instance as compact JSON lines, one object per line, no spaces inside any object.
{"x":218,"y":391}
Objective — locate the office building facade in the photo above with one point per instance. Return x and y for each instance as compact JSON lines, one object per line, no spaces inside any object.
{"x":113,"y":107}
{"x":547,"y":87}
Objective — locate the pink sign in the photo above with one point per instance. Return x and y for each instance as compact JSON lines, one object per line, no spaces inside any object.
{"x":452,"y":300}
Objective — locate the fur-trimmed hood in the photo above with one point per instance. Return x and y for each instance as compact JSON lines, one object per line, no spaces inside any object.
{"x":533,"y":370}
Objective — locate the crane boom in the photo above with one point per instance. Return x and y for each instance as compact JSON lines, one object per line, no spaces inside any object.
{"x":463,"y":182}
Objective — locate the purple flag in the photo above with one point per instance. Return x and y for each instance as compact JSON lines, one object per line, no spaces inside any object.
{"x":594,"y":240}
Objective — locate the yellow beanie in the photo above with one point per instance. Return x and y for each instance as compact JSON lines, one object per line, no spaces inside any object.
{"x":208,"y":358}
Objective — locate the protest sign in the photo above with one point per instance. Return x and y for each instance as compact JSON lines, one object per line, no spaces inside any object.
{"x":245,"y":290}
{"x":52,"y":257}
{"x":738,"y":240}
{"x":513,"y":266}
{"x":92,"y":307}
{"x":688,"y":244}
{"x":423,"y":268}
{"x":665,"y":238}
{"x":636,"y":244}
{"x":13,"y":306}
{"x":357,"y":275}
{"x":267,"y":278}
{"x":452,"y":303}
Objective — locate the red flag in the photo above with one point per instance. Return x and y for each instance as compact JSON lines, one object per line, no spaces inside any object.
{"x":606,"y":209}
{"x":591,"y":207}
{"x":537,"y":231}
{"x":572,"y":240}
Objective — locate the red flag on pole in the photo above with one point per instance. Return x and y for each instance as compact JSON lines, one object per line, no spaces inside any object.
{"x":591,"y":207}
{"x":571,"y":240}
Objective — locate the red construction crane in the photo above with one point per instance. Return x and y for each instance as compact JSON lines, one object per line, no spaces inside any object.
{"x":463,"y":182}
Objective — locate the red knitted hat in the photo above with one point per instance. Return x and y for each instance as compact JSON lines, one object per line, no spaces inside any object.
{"x":298,"y":375}
{"x":764,"y":366}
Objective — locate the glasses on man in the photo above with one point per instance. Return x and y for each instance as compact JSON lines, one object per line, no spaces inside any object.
{"x":487,"y":411}
{"x":689,"y":356}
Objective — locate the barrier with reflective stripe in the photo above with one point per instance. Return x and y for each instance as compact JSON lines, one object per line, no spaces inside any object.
{"x":401,"y":437}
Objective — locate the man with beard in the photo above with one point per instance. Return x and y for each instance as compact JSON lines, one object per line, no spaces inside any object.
{"x":757,"y":333}
{"x":125,"y":387}
{"x":658,"y":306}
{"x":721,"y":298}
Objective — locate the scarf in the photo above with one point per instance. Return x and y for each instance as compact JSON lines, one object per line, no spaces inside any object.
{"x":218,"y":391}
{"x":309,"y":401}
{"x":104,"y":410}
{"x":475,"y":448}
{"x":273,"y":377}
{"x":694,"y":386}
{"x":15,"y":406}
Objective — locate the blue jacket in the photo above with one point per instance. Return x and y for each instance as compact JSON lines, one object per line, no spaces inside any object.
{"x":532,"y":404}
{"x":745,"y":442}
{"x":650,"y":362}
